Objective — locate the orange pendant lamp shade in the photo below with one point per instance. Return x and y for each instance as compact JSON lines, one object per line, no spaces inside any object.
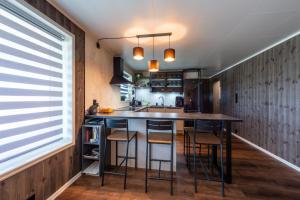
{"x":153,"y":66}
{"x":169,"y":55}
{"x":138,"y":53}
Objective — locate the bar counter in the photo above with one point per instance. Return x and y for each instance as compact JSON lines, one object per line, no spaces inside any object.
{"x":137,"y":122}
{"x":166,"y":116}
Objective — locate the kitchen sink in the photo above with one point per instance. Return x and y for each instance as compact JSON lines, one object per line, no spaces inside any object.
{"x":129,"y":108}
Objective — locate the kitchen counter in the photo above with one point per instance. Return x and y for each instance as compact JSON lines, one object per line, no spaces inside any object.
{"x":171,"y":107}
{"x":166,"y":116}
{"x":137,"y":122}
{"x":142,"y":108}
{"x":131,"y":108}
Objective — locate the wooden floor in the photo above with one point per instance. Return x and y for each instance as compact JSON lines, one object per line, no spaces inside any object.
{"x":255,"y":176}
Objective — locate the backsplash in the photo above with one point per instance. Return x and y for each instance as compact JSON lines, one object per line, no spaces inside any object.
{"x":147,"y":97}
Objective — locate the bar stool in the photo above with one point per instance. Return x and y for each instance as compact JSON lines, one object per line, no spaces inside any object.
{"x":188,"y":127}
{"x":121,"y":134}
{"x":186,"y":130}
{"x":159,"y":132}
{"x":204,"y":134}
{"x":198,"y":146}
{"x":186,"y":143}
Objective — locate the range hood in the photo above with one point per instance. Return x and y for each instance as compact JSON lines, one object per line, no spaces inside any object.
{"x":118,"y":78}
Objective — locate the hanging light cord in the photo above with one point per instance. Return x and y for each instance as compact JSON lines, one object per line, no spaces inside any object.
{"x":169,"y":42}
{"x":153,"y":47}
{"x":133,"y":36}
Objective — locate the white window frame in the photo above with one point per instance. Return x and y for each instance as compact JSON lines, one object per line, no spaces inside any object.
{"x":41,"y":154}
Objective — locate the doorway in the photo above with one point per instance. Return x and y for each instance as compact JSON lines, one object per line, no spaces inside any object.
{"x":216,"y":96}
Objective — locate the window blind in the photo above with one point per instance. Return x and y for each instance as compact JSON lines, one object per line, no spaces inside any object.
{"x":31,"y":85}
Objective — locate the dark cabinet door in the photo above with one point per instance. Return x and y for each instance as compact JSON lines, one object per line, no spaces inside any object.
{"x":192,"y":95}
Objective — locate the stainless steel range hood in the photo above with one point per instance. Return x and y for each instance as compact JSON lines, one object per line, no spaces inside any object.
{"x":118,"y":78}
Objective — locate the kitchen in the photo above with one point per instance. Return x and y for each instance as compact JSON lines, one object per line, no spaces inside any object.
{"x":149,"y":99}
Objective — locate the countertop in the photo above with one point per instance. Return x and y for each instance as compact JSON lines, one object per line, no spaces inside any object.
{"x":140,"y":108}
{"x":166,"y":116}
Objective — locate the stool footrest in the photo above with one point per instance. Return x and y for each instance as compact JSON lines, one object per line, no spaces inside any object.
{"x":160,"y":178}
{"x":114,"y":173}
{"x":159,"y":160}
{"x":132,"y":157}
{"x":210,"y":179}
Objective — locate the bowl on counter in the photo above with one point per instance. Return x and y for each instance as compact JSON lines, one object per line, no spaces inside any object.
{"x":106,"y":110}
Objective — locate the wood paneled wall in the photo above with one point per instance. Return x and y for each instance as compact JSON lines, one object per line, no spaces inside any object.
{"x":206,"y":106}
{"x":268,"y":90}
{"x":46,"y":177}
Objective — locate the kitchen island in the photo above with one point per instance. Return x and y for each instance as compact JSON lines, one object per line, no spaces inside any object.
{"x":137,"y":122}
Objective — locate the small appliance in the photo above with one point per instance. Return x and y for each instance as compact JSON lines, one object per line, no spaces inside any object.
{"x":179,"y":101}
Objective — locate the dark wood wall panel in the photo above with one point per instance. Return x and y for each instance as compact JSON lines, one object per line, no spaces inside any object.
{"x":46,"y":177}
{"x":268,"y":88}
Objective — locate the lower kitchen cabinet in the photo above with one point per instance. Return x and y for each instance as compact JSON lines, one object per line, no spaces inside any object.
{"x":156,"y":109}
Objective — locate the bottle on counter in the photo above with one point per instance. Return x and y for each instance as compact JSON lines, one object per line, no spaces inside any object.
{"x":93,"y":108}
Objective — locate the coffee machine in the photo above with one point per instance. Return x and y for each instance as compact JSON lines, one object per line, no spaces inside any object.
{"x":179,"y":101}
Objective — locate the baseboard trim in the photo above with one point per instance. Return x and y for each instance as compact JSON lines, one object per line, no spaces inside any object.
{"x":64,"y":187}
{"x":268,"y":153}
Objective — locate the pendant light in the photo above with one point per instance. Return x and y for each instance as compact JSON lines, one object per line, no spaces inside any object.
{"x":153,"y":65}
{"x":138,"y":52}
{"x":169,"y":54}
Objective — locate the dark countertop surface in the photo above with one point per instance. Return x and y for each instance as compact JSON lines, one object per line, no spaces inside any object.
{"x":166,"y":116}
{"x":139,"y":108}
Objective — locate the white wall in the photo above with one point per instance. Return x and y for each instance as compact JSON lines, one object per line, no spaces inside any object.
{"x":98,"y":73}
{"x":144,"y":95}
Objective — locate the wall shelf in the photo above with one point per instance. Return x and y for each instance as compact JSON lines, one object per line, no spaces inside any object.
{"x":170,"y":81}
{"x":92,"y":147}
{"x":90,"y":143}
{"x":92,"y":169}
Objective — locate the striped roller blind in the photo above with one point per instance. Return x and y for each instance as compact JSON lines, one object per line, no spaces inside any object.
{"x":31,"y":84}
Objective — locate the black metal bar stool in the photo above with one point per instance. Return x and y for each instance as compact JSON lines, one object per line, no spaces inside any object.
{"x":199,"y":147}
{"x":188,"y":127}
{"x":186,"y":130}
{"x":186,"y":142}
{"x":205,"y":133}
{"x":120,"y":134}
{"x":159,"y":132}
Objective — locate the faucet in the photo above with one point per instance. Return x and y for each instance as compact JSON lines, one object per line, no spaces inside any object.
{"x":162,"y":99}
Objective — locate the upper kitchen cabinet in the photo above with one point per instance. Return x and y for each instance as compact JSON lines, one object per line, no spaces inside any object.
{"x":142,"y":80}
{"x":166,"y":81}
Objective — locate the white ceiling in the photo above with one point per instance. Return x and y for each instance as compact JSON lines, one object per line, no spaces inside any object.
{"x":212,"y":34}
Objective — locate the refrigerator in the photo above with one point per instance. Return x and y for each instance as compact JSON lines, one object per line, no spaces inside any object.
{"x":193,"y":90}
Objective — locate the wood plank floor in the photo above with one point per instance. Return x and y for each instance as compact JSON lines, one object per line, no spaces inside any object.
{"x":255,"y":176}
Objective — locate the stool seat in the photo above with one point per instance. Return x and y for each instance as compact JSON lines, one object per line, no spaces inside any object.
{"x":161,"y":138}
{"x":120,"y":135}
{"x":205,"y":138}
